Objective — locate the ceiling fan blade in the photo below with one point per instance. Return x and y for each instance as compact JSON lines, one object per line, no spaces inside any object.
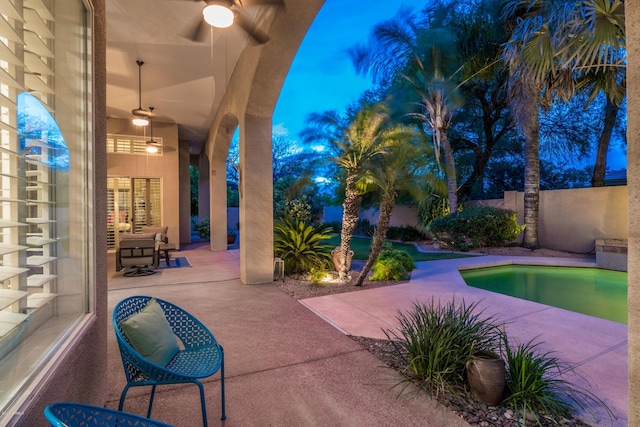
{"x":140,"y":112}
{"x":246,"y":24}
{"x":249,"y":3}
{"x":198,"y":31}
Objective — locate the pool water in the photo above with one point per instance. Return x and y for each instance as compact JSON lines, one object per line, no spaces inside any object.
{"x":592,"y":291}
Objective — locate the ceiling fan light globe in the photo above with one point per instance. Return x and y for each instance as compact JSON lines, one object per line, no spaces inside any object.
{"x":218,"y":16}
{"x":140,"y":121}
{"x":152,"y":149}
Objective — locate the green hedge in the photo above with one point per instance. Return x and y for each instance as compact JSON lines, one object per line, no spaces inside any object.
{"x":405,"y":233}
{"x":476,"y":227}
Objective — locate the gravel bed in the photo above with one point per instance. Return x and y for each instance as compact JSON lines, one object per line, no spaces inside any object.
{"x":473,"y":412}
{"x":470,"y":410}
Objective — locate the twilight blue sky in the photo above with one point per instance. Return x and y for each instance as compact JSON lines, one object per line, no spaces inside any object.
{"x":322,"y":76}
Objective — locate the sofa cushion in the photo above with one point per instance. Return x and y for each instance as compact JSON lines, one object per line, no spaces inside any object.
{"x":150,"y":334}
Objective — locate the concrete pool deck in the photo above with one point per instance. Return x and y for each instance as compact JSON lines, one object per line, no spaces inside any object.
{"x":596,"y":347}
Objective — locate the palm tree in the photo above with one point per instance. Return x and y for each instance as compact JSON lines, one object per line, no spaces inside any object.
{"x":397,"y":55}
{"x":356,"y":144}
{"x":403,"y":169}
{"x":604,"y":35}
{"x":438,"y":102}
{"x":551,"y":41}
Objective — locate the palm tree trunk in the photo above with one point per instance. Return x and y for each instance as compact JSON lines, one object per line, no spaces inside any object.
{"x":531,"y":131}
{"x":450,"y":170}
{"x":386,"y":209}
{"x":351,"y":209}
{"x":600,"y":168}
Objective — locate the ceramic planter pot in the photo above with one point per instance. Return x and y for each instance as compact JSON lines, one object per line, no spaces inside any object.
{"x":336,"y":258}
{"x":486,"y":376}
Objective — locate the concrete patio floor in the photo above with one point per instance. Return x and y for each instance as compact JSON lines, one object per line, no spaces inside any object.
{"x":292,"y":363}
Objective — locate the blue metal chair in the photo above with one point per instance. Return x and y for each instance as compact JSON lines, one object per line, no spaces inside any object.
{"x":68,"y":414}
{"x":201,"y":357}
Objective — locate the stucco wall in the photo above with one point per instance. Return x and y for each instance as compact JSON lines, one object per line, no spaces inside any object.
{"x":165,"y":167}
{"x":402,"y":215}
{"x":570,"y":220}
{"x":632,"y":17}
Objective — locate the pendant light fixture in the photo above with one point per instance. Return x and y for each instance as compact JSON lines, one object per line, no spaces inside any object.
{"x":152,"y":146}
{"x":140,"y":115}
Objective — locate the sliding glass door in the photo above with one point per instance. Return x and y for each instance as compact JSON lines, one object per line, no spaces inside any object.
{"x":132,"y":203}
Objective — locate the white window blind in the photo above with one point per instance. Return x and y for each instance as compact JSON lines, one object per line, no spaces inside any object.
{"x":44,"y":245}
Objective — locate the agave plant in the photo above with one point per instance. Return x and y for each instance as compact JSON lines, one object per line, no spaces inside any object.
{"x":300,"y":245}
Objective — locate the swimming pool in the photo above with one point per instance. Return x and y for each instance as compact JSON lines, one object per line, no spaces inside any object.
{"x":592,"y":291}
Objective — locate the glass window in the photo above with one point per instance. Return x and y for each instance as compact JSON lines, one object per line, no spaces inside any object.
{"x":45,"y":144}
{"x":127,"y":144}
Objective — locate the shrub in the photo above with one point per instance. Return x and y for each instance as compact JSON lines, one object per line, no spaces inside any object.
{"x":363,"y":228}
{"x":300,"y":246}
{"x":203,"y":228}
{"x":297,"y":209}
{"x":432,"y":207}
{"x":389,"y":269}
{"x":406,"y":233}
{"x":437,"y":340}
{"x":334,"y":226}
{"x":316,"y":274}
{"x":476,"y":227}
{"x":403,"y":257}
{"x":534,"y":384}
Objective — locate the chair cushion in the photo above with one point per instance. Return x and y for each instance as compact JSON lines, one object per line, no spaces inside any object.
{"x":129,"y":236}
{"x":150,"y":334}
{"x":162,"y":230}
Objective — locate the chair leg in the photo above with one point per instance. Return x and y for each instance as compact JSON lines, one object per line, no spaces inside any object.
{"x":122,"y":396}
{"x":224,"y":415}
{"x":153,"y":393}
{"x":202,"y":403}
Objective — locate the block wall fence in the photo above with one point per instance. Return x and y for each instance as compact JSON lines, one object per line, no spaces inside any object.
{"x":570,"y":220}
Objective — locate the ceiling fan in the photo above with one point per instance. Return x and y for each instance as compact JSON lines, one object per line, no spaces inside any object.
{"x":140,"y":115}
{"x":224,"y":13}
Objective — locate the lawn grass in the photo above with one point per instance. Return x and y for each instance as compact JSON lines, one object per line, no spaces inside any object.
{"x":361,"y":245}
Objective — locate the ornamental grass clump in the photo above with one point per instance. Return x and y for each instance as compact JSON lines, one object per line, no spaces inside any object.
{"x":535,"y":389}
{"x":437,"y":340}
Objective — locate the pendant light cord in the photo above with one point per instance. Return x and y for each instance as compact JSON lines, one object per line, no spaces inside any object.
{"x":139,"y":62}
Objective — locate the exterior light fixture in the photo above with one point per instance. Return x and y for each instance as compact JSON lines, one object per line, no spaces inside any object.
{"x":152,"y":146}
{"x":140,"y":121}
{"x":139,"y":114}
{"x":217,"y":15}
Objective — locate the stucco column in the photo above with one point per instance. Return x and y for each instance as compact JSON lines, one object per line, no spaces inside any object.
{"x":185,"y":192}
{"x":632,"y":19}
{"x":203,"y":188}
{"x":218,"y":209}
{"x":256,"y":200}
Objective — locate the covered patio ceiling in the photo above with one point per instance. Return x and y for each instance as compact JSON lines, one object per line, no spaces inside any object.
{"x":182,"y":78}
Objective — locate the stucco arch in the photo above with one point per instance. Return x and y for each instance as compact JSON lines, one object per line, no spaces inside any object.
{"x":250,"y":98}
{"x":218,"y":181}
